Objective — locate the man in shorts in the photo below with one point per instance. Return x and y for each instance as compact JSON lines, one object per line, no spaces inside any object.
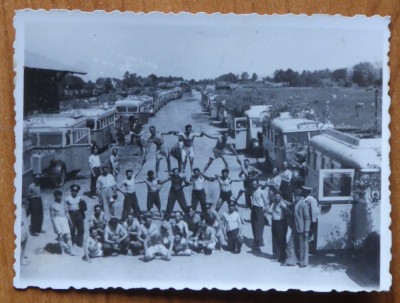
{"x":151,"y":237}
{"x":206,"y":239}
{"x":61,"y":223}
{"x":187,"y":138}
{"x":219,"y":150}
{"x":153,"y":192}
{"x":161,"y":148}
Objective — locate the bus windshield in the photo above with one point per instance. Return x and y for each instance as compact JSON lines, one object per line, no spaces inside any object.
{"x":132,"y":109}
{"x":90,"y":123}
{"x":298,"y":137}
{"x":46,"y":140}
{"x":121,"y":109}
{"x":257,"y":122}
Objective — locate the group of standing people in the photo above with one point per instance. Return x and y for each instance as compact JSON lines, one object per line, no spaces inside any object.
{"x":184,"y":232}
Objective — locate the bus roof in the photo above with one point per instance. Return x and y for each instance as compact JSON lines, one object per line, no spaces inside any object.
{"x":290,"y":125}
{"x":129,"y":102}
{"x":54,"y":121}
{"x":94,"y":112}
{"x":257,"y":111}
{"x":349,"y":150}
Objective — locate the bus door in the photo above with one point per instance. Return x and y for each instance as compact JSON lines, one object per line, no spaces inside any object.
{"x":79,"y":148}
{"x":240,"y":127}
{"x":335,"y":220}
{"x":143,"y":114}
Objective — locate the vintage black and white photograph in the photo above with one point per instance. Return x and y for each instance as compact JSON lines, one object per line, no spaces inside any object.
{"x":202,"y":151}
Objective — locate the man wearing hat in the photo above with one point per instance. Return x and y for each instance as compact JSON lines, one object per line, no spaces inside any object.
{"x":314,"y":212}
{"x":106,"y":189}
{"x":232,"y":228}
{"x":73,"y":202}
{"x":61,"y":222}
{"x":35,"y":206}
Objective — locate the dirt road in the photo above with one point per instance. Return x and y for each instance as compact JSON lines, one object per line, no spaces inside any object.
{"x":222,"y":269}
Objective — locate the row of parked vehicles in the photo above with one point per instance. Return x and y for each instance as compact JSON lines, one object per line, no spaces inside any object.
{"x":56,"y":145}
{"x":342,"y":166}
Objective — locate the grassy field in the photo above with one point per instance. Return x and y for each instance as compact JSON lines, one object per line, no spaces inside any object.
{"x":342,"y":107}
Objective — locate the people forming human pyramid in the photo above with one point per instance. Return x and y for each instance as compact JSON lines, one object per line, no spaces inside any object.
{"x":185,"y":232}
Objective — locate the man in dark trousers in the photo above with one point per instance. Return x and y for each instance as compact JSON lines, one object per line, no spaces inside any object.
{"x":259,"y":202}
{"x":35,"y":206}
{"x":73,"y":203}
{"x":178,"y":182}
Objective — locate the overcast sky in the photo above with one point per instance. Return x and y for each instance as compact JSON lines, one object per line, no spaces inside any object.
{"x":201,"y":46}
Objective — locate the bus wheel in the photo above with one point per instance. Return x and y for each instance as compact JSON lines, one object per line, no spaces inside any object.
{"x":60,"y":180}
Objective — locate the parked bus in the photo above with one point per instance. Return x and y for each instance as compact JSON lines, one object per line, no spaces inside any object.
{"x":101,"y":122}
{"x":286,"y":139}
{"x":345,"y":171}
{"x":27,"y":171}
{"x":60,"y":146}
{"x":129,"y":108}
{"x":248,"y":129}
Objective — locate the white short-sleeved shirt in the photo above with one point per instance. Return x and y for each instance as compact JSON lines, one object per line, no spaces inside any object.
{"x":94,"y":161}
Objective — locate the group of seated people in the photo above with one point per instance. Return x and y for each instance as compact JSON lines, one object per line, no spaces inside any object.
{"x":182,"y":235}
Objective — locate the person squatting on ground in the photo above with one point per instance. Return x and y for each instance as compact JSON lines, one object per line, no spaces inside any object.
{"x":180,"y":245}
{"x":74,"y":204}
{"x":180,"y":225}
{"x":107,"y":192}
{"x":34,"y":197}
{"x":279,"y":226}
{"x":150,"y":236}
{"x":95,"y":169}
{"x":248,"y":173}
{"x":232,"y":228}
{"x":178,"y":182}
{"x":198,"y":192}
{"x":153,"y":192}
{"x":61,"y":223}
{"x":130,"y":197}
{"x":299,"y":223}
{"x":116,"y":240}
{"x":206,"y":239}
{"x":93,"y":247}
{"x":219,"y":150}
{"x":132,"y":227}
{"x":161,"y":149}
{"x":214,"y":220}
{"x":98,"y":221}
{"x":259,"y":203}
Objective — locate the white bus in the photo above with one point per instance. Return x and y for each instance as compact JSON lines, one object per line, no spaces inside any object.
{"x":59,"y":146}
{"x":344,"y":169}
{"x":248,"y":129}
{"x":129,"y":108}
{"x":286,"y":138}
{"x":101,"y":122}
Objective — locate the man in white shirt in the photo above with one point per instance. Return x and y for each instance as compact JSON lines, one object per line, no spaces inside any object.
{"x":95,"y":170}
{"x":232,"y":228}
{"x":314,"y":212}
{"x":259,"y":202}
{"x":130,"y":201}
{"x":106,"y":190}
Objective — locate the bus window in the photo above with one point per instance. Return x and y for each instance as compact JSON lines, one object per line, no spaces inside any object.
{"x":336,"y":184}
{"x":132,"y":109}
{"x":298,"y":137}
{"x":322,"y":162}
{"x":120,"y":109}
{"x":90,"y":123}
{"x":50,"y":139}
{"x":98,"y":126}
{"x":314,"y":160}
{"x":257,"y":122}
{"x":241,"y":124}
